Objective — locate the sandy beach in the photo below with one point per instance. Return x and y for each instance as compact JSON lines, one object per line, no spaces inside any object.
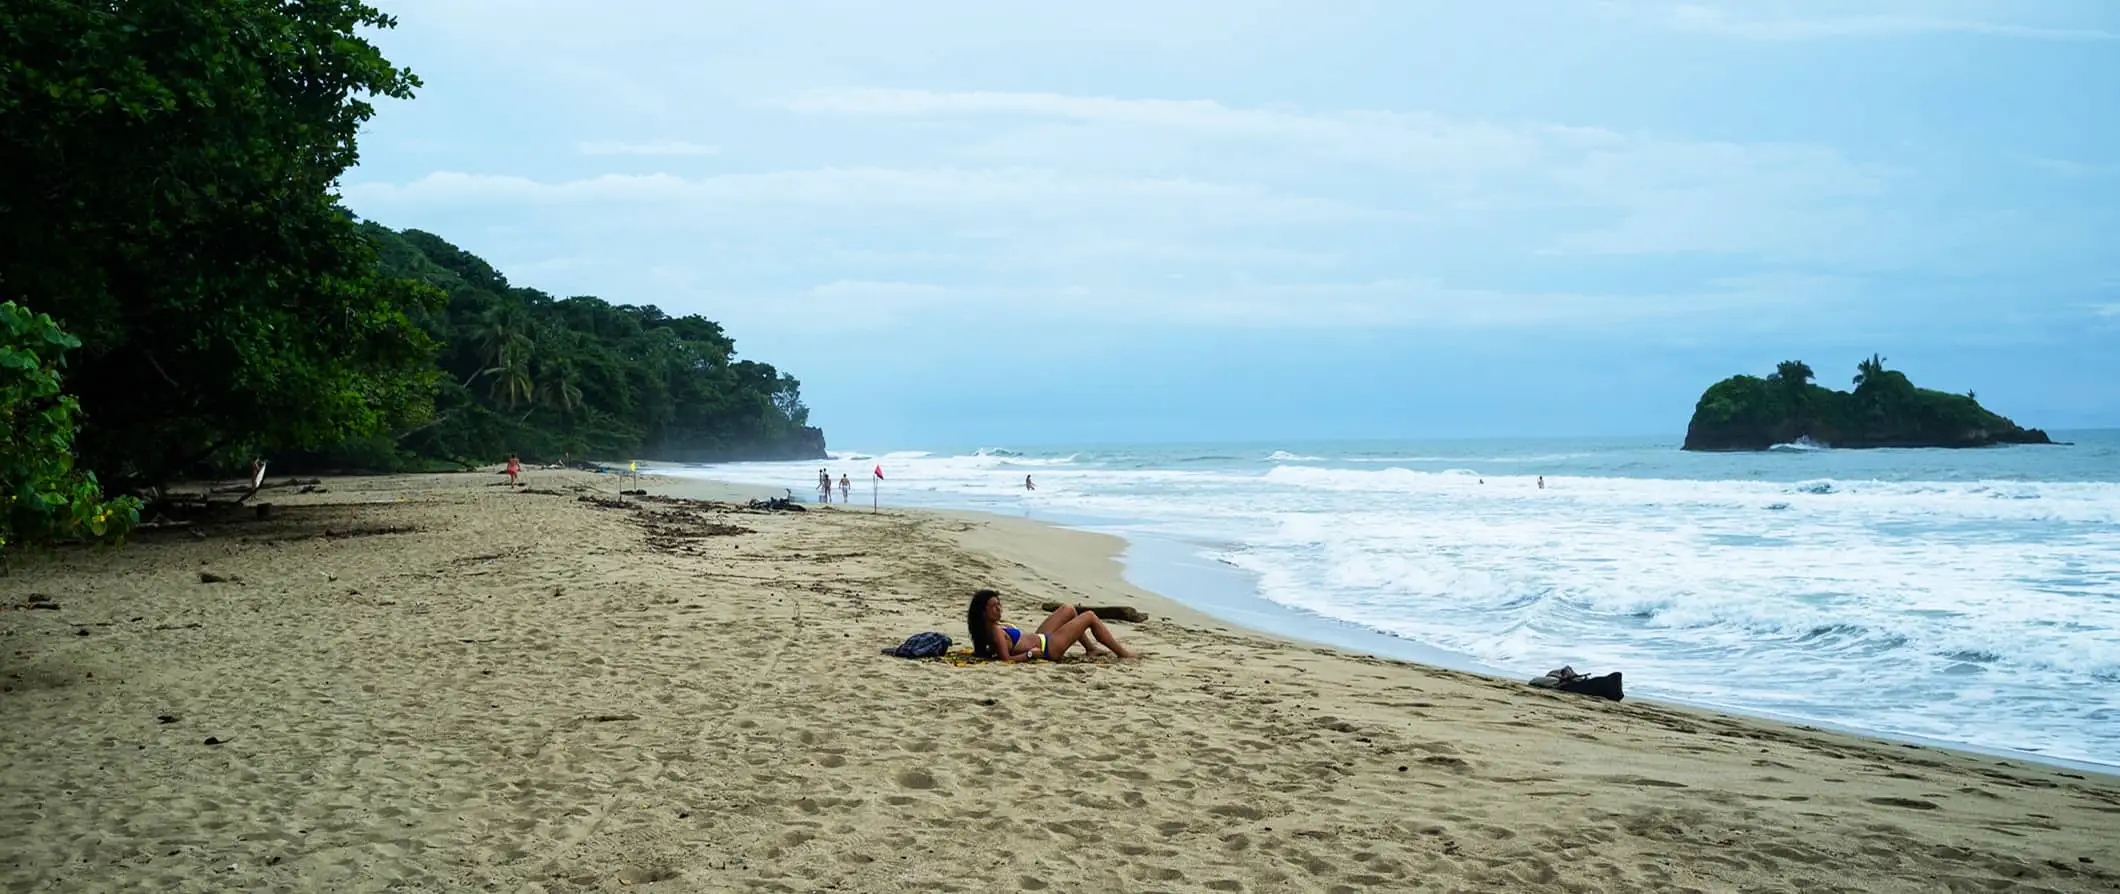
{"x":434,"y":683}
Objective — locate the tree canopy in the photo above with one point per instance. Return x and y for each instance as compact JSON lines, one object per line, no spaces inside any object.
{"x":520,"y":371}
{"x":169,"y":199}
{"x":1885,"y":410}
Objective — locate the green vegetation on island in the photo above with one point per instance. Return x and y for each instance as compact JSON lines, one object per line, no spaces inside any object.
{"x":169,"y":221}
{"x":1885,"y":410}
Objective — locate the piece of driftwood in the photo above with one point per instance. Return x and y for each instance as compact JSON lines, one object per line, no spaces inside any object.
{"x":162,"y":524}
{"x":1107,"y":612}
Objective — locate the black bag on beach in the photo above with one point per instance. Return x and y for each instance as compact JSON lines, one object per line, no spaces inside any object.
{"x":1606,"y":686}
{"x":921,"y":645}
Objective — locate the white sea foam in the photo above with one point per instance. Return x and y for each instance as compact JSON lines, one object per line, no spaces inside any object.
{"x":1800,"y":445}
{"x":1978,"y":611}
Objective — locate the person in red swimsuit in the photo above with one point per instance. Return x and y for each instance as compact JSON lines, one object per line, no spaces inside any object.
{"x":515,"y":469}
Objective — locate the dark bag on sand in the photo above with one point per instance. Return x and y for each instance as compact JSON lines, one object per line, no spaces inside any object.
{"x":921,"y":645}
{"x":1565,"y":679}
{"x":1606,"y":686}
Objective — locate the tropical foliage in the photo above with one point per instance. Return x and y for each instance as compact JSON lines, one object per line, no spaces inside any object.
{"x":520,"y":371}
{"x":43,"y":496}
{"x":169,"y":197}
{"x":1884,"y":410}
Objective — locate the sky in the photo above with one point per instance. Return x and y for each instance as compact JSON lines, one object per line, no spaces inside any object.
{"x":1004,"y":223}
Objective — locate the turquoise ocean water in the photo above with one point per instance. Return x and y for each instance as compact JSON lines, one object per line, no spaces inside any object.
{"x":1965,"y":596}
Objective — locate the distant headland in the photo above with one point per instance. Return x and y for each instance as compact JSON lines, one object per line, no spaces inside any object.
{"x":1885,"y":410}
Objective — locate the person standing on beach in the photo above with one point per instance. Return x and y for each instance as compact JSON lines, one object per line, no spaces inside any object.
{"x":515,"y":469}
{"x":824,"y":485}
{"x":1541,"y":482}
{"x":1027,"y":485}
{"x":846,"y":488}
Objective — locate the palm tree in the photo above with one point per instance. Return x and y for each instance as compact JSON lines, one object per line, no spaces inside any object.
{"x":506,"y":346}
{"x":512,"y":384}
{"x":1869,"y":370}
{"x":559,"y":389}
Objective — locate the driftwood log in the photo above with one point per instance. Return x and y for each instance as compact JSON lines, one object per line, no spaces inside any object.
{"x":1107,"y":612}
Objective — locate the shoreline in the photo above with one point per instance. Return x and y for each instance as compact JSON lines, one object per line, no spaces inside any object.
{"x":1235,"y":603}
{"x":434,"y":682}
{"x":1357,"y":639}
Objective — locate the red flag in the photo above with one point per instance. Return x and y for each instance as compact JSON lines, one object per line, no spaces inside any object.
{"x":879,"y":470}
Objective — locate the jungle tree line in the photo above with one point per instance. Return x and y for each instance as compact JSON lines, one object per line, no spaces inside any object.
{"x":522,"y":371}
{"x":170,"y":205}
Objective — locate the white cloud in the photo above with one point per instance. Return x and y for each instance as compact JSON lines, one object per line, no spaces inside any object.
{"x":1712,"y":20}
{"x":1022,"y":193}
{"x":656,"y":148}
{"x":1407,"y":139}
{"x":1629,"y":193}
{"x":1425,"y":303}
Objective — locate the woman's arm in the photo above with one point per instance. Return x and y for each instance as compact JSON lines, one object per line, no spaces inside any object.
{"x":1009,"y":650}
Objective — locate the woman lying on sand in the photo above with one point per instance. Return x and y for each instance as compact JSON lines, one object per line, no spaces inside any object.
{"x":1059,"y":631}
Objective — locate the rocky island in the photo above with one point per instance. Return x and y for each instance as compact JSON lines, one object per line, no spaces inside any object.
{"x":1746,"y":412}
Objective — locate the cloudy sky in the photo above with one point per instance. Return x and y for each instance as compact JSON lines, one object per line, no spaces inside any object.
{"x":982,"y":222}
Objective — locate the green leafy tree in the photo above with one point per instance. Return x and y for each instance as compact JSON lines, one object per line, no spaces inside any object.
{"x":43,"y":496}
{"x":1794,"y":373}
{"x":170,"y":168}
{"x":520,"y":371}
{"x":1794,"y":379}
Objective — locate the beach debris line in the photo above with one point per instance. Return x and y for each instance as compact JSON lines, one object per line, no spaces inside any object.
{"x":1107,"y":612}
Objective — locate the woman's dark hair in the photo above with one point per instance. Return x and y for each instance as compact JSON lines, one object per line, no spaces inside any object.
{"x":981,"y":629}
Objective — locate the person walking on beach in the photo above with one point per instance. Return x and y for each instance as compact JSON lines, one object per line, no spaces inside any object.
{"x":824,"y":485}
{"x":515,"y":470}
{"x":1027,"y":485}
{"x":846,"y":488}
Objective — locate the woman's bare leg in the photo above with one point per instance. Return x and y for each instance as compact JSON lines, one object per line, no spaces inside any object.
{"x":1073,"y":632}
{"x":1057,"y":621}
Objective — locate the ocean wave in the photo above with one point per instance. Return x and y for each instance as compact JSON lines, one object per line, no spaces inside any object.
{"x":1841,"y":596}
{"x":1283,"y":456}
{"x":1504,"y":459}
